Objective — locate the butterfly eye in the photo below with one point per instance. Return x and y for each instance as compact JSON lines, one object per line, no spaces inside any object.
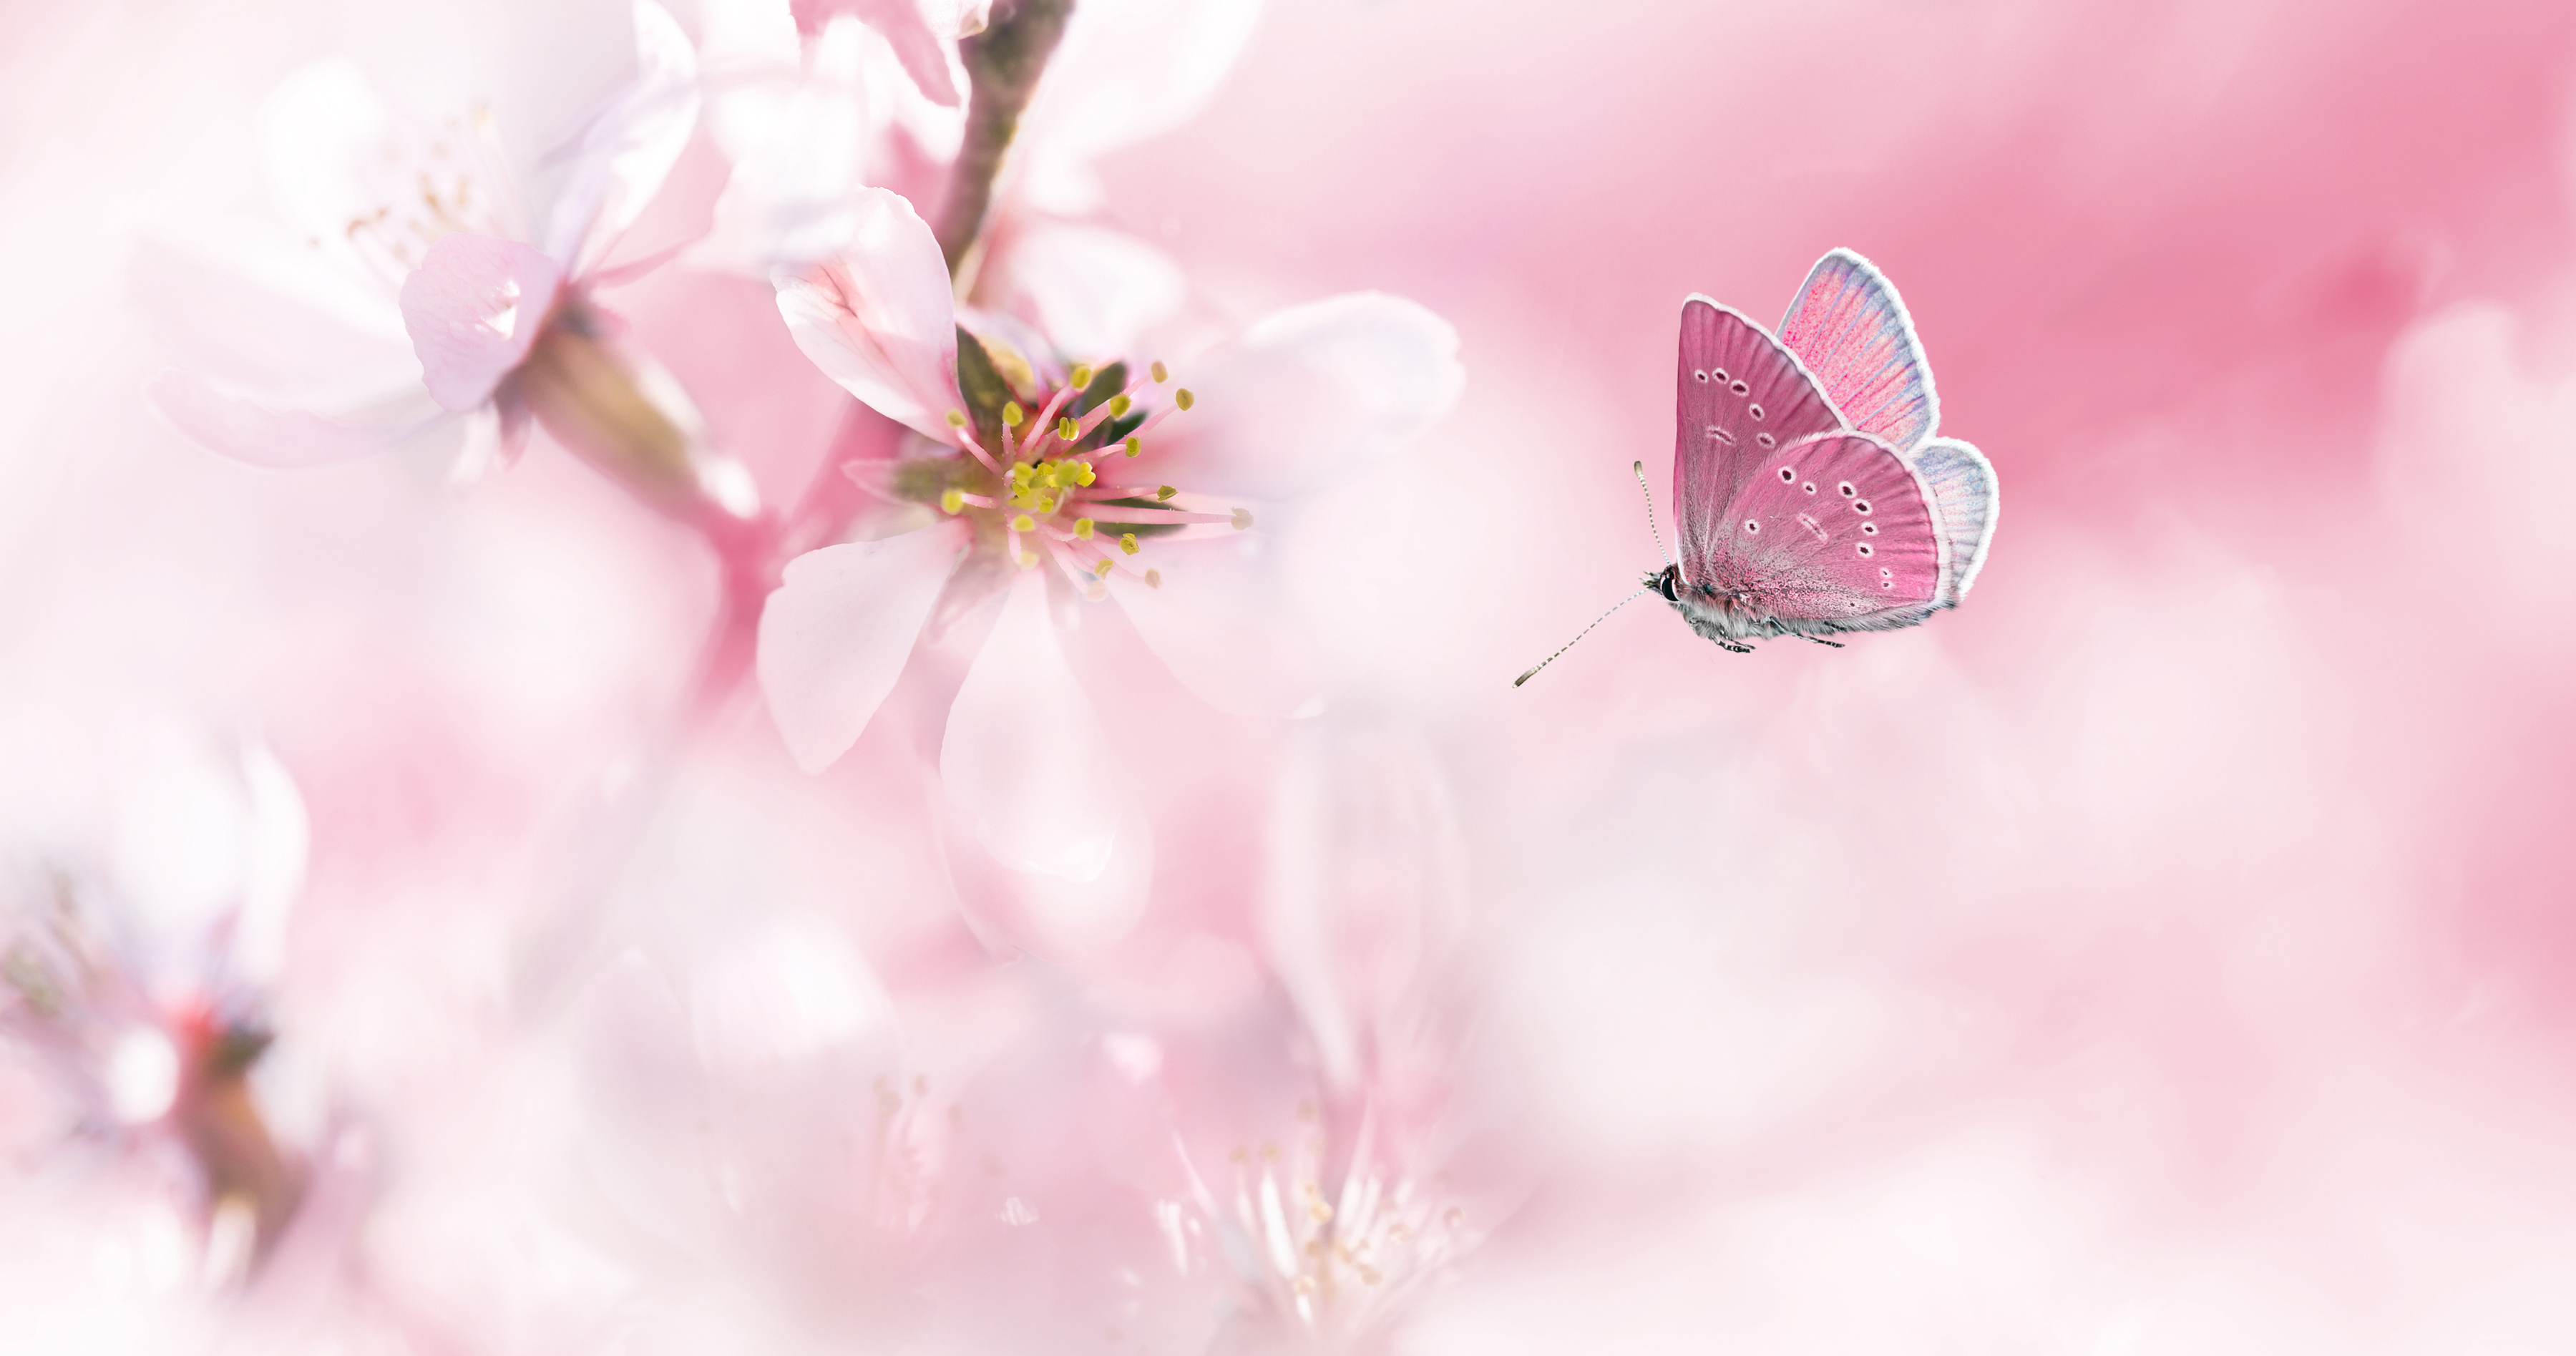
{"x":1752,"y":528}
{"x":1697,"y":375}
{"x":1860,"y":506}
{"x":1870,"y":529}
{"x":1766,"y":441}
{"x":1788,"y":475}
{"x":1738,"y":387}
{"x":1846,"y":488}
{"x":1867,"y":549}
{"x":1756,"y":410}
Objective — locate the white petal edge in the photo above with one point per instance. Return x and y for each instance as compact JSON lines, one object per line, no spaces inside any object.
{"x":1221,"y":625}
{"x":880,"y":319}
{"x":631,"y":148}
{"x":1314,"y":396}
{"x":836,"y":633}
{"x":1024,"y":758}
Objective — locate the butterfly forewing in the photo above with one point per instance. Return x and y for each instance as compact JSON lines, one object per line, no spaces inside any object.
{"x":1743,"y":398}
{"x":1834,"y":531}
{"x":1850,"y":329}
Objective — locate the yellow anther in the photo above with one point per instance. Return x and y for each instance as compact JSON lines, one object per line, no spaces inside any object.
{"x":1162,"y":373}
{"x":1118,"y":406}
{"x":1024,"y":523}
{"x":1134,"y":445}
{"x":1101,"y":569}
{"x":1127,"y":543}
{"x":1082,"y":528}
{"x":1012,"y":414}
{"x":1022,"y":473}
{"x":1183,"y":398}
{"x":1046,"y":503}
{"x":1165,"y":492}
{"x":1066,"y":428}
{"x":1044,"y":474}
{"x":1242,"y":519}
{"x":1081,"y":376}
{"x":1083,"y":474}
{"x":951,"y":501}
{"x":957,"y":419}
{"x":1154,"y":580}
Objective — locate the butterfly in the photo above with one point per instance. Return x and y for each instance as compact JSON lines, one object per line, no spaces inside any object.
{"x":1811,"y":494}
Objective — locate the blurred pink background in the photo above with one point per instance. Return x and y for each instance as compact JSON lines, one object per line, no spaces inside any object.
{"x":2168,"y":951}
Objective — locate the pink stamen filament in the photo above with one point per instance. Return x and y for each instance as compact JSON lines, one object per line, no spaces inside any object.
{"x":966,"y":439}
{"x":978,"y":500}
{"x":1046,"y":417}
{"x":1129,"y":513}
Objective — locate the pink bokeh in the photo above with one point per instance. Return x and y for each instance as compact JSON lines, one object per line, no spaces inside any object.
{"x":2168,"y":951}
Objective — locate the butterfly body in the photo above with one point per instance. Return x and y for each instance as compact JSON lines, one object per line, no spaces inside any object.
{"x":1812,"y":497}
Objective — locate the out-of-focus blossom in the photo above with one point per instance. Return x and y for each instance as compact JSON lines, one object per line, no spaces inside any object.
{"x":811,"y":109}
{"x":424,"y":291}
{"x":143,"y":988}
{"x":1092,"y":479}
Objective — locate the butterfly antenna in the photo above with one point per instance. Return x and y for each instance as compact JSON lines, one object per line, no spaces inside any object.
{"x":1639,"y":468}
{"x":1534,"y":668}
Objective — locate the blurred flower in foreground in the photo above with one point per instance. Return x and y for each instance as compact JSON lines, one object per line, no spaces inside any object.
{"x":423,"y":292}
{"x":1330,"y":1226}
{"x":143,"y":993}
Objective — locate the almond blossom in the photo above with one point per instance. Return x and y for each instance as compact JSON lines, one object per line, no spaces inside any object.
{"x":140,"y":983}
{"x":1103,"y":478}
{"x":423,"y":292}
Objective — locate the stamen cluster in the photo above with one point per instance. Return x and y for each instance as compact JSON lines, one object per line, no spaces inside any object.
{"x":1051,"y":484}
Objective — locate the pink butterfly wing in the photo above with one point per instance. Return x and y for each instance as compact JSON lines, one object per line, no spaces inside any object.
{"x":1742,"y":398}
{"x":1853,"y":333}
{"x":1835,"y":529}
{"x":1965,"y":502}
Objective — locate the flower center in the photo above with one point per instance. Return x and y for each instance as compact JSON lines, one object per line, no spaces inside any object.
{"x":1063,"y":482}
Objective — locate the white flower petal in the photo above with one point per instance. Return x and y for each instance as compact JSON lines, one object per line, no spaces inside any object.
{"x":1092,"y":289}
{"x":880,"y":319}
{"x":1220,"y":624}
{"x":474,"y":307}
{"x":1024,"y":758}
{"x":630,"y":148}
{"x":835,"y":635}
{"x":1313,"y":396}
{"x":251,"y":430}
{"x":1126,"y":70}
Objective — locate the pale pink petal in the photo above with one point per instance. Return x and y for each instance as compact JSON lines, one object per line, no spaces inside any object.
{"x":1219,"y":623}
{"x":1094,"y":290}
{"x":630,"y":148}
{"x":880,"y":318}
{"x":799,"y":149}
{"x":1025,"y":758}
{"x":1365,"y":897}
{"x":836,"y":633}
{"x":250,"y":431}
{"x":474,"y":306}
{"x":1313,"y":396}
{"x":920,"y":32}
{"x":1126,"y":70}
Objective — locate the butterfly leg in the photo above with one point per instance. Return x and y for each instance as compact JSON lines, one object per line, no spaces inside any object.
{"x":1831,"y":644}
{"x":1731,"y":645}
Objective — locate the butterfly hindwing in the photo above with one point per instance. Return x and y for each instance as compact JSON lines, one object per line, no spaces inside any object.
{"x":1965,"y":503}
{"x":1742,"y":397}
{"x":1852,"y":331}
{"x":1833,"y":533}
